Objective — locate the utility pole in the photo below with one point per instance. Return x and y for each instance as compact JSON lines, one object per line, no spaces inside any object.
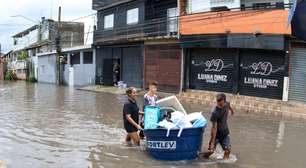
{"x":58,"y":49}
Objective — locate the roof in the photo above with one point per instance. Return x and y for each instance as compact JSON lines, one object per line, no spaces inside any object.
{"x":20,"y":34}
{"x":7,"y":54}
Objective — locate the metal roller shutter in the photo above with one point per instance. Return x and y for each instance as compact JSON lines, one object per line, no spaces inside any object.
{"x":212,"y":69}
{"x":262,"y":73}
{"x":132,"y":68}
{"x":297,"y":86}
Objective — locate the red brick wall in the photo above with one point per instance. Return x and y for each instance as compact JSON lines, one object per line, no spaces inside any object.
{"x":163,"y":64}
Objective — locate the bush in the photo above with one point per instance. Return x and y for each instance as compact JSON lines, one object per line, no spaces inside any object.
{"x":10,"y":75}
{"x":32,"y":79}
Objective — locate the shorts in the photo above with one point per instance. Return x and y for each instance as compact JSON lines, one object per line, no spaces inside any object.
{"x":224,"y":141}
{"x":131,"y":129}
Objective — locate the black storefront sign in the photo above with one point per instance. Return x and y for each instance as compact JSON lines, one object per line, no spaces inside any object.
{"x":262,"y":73}
{"x":212,"y":69}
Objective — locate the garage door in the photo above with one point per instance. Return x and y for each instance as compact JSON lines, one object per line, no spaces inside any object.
{"x":297,"y":86}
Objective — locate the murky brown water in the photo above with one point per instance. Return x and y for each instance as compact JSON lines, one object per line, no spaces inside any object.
{"x":44,"y":126}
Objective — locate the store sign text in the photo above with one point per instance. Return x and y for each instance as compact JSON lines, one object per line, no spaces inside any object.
{"x":212,"y":78}
{"x":260,"y":82}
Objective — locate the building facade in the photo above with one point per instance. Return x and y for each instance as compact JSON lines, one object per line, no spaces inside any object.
{"x":41,"y":38}
{"x":241,"y":47}
{"x":238,"y":47}
{"x":77,"y":68}
{"x":142,"y":37}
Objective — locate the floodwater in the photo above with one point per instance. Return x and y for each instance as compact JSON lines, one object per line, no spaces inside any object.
{"x":44,"y":126}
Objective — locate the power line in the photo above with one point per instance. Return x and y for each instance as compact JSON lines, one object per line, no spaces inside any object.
{"x":83,"y":17}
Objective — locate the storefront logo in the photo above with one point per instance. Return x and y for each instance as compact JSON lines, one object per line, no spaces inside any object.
{"x":262,"y":68}
{"x":214,"y":65}
{"x":164,"y":145}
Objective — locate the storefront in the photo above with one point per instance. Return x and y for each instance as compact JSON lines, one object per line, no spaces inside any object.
{"x":212,"y":69}
{"x":262,"y":73}
{"x":129,"y":61}
{"x":249,"y":72}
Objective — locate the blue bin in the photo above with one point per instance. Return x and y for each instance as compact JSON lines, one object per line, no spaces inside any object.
{"x":173,"y":148}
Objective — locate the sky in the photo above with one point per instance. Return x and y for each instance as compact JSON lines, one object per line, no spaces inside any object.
{"x":35,"y":10}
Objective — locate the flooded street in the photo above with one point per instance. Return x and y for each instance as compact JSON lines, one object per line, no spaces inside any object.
{"x":45,"y":126}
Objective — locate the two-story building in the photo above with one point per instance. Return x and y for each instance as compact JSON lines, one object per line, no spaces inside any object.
{"x":142,"y":37}
{"x":243,"y":47}
{"x":40,"y":38}
{"x":236,"y":46}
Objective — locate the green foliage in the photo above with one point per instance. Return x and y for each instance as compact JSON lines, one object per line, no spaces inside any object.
{"x":23,"y":55}
{"x":32,"y":79}
{"x":10,"y":76}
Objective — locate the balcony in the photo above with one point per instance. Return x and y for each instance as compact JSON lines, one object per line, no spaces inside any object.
{"x":238,"y":21}
{"x":100,"y":4}
{"x":161,"y":28}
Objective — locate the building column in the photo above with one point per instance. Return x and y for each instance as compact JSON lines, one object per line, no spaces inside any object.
{"x":81,"y":57}
{"x":94,"y":53}
{"x":69,"y":59}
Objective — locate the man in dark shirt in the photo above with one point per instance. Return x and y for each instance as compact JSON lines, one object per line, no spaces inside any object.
{"x":131,"y":117}
{"x":220,"y":132}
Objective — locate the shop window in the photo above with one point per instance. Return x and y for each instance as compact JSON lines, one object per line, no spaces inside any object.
{"x":88,"y":58}
{"x":75,"y":58}
{"x":109,"y":21}
{"x":132,"y":16}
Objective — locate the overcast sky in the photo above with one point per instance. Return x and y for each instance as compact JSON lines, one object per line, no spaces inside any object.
{"x":35,"y":9}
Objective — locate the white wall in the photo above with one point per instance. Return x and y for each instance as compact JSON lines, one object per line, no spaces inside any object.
{"x":26,"y":40}
{"x":47,"y":68}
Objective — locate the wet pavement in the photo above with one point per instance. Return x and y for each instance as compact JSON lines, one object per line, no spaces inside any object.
{"x":45,"y":126}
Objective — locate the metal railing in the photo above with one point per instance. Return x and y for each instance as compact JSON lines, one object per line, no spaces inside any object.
{"x":168,"y":27}
{"x":161,"y":27}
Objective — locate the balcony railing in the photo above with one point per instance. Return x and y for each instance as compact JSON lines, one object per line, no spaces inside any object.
{"x":155,"y":28}
{"x":97,"y":4}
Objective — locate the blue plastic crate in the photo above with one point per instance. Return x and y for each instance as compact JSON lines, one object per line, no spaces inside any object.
{"x":173,"y":148}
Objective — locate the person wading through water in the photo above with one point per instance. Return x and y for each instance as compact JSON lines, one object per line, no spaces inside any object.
{"x":131,"y":117}
{"x":220,"y":133}
{"x":149,"y":99}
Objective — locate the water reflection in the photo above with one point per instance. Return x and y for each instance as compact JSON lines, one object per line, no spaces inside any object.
{"x":47,"y":126}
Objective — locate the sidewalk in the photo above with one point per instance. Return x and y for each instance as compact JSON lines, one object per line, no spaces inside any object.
{"x":116,"y":90}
